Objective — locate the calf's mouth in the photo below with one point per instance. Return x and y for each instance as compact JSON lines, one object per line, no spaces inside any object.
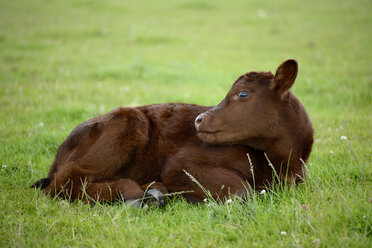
{"x":208,"y":137}
{"x":207,"y":132}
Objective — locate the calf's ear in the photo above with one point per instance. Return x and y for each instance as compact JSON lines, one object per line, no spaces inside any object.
{"x":285,"y":76}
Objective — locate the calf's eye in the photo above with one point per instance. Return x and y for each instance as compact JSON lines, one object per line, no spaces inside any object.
{"x":243,"y":94}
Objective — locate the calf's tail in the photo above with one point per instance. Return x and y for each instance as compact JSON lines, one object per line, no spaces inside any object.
{"x":42,"y":183}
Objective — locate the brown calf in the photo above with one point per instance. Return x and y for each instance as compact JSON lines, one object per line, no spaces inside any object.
{"x":121,"y":154}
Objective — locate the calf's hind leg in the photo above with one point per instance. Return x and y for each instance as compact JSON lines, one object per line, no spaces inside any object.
{"x":74,"y":183}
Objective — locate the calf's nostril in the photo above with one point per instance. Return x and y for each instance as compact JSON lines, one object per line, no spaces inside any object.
{"x":198,"y":119}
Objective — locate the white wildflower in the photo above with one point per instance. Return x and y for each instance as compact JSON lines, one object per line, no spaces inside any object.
{"x":262,"y":192}
{"x":4,"y":166}
{"x":316,"y":241}
{"x":331,"y":152}
{"x":283,"y":233}
{"x":41,"y":124}
{"x":205,"y":200}
{"x":343,"y":137}
{"x":229,"y":201}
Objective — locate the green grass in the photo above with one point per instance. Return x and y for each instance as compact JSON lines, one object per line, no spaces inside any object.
{"x":63,"y":62}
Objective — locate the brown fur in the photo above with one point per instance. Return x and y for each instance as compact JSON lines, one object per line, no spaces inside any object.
{"x":119,"y":154}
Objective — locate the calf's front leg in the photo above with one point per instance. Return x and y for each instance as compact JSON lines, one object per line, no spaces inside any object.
{"x":222,"y":183}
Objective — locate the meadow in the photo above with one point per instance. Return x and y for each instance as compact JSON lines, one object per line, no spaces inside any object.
{"x":63,"y":62}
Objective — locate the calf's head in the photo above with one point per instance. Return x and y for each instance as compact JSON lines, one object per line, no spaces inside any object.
{"x":260,"y":111}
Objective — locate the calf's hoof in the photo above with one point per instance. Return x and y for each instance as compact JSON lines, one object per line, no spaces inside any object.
{"x":153,"y":197}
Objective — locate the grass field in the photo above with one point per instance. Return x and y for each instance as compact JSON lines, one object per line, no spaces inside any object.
{"x":63,"y":62}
